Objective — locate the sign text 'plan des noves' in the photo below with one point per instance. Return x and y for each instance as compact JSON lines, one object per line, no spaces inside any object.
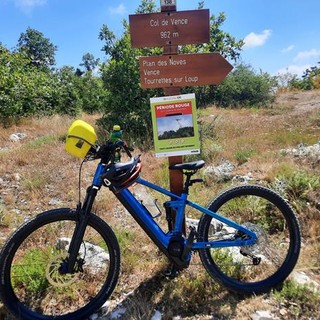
{"x":183,"y":70}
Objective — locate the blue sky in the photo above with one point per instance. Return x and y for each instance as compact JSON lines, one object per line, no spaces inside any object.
{"x":280,"y":35}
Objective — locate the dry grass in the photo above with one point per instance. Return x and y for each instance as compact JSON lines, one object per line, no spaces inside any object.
{"x":36,"y":174}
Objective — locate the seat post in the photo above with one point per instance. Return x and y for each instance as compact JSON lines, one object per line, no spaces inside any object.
{"x":187,"y":183}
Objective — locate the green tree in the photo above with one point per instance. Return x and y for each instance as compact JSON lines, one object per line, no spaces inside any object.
{"x":67,"y":96}
{"x":27,"y":90}
{"x":126,"y":103}
{"x":38,"y":48}
{"x":89,"y":62}
{"x":24,"y":90}
{"x":91,"y":93}
{"x":147,"y":6}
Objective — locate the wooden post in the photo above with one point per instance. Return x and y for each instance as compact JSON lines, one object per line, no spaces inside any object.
{"x":175,"y":176}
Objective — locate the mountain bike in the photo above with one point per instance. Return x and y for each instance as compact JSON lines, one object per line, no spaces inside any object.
{"x":64,"y":263}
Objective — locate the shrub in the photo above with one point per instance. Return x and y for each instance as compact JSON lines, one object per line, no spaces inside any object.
{"x":246,"y":88}
{"x":243,"y":154}
{"x":299,"y":301}
{"x":299,"y":183}
{"x":310,"y":79}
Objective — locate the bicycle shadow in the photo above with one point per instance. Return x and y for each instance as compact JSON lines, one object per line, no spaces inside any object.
{"x":4,"y":315}
{"x":156,"y":295}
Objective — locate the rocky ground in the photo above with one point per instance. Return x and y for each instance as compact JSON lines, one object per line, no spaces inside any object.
{"x":19,"y":200}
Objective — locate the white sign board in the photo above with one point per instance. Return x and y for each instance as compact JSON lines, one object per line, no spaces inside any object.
{"x":175,"y":128}
{"x":165,"y":3}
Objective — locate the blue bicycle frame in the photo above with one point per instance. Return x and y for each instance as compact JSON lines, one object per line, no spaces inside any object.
{"x":178,"y":204}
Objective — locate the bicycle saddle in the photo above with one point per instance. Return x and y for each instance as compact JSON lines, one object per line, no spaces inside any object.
{"x":195,"y":165}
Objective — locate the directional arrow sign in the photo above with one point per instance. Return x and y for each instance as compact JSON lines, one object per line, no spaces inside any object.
{"x":183,"y":70}
{"x":169,"y":28}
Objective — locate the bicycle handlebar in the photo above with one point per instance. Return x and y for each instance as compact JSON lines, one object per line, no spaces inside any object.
{"x":106,"y":152}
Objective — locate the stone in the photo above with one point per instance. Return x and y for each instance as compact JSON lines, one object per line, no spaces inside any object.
{"x":15,"y":137}
{"x":263,"y":315}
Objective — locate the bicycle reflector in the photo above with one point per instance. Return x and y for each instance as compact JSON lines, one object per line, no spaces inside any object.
{"x":81,"y":136}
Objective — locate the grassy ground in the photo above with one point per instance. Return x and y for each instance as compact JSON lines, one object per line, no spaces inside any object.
{"x":37,"y":174}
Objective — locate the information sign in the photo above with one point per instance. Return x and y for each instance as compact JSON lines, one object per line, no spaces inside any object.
{"x":175,"y":129}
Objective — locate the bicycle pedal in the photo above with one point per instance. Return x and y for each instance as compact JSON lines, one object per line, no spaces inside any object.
{"x":171,"y":273}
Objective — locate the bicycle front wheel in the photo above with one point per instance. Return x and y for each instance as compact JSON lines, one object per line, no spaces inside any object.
{"x":33,"y":282}
{"x":263,"y":265}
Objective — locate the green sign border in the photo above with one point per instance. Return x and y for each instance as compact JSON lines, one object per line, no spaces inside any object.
{"x":176,"y":146}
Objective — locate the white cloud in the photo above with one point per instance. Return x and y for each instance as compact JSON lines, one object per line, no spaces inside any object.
{"x":290,"y":48}
{"x":294,"y":69}
{"x":120,"y":9}
{"x":306,"y":55}
{"x":29,"y":4}
{"x":256,"y":40}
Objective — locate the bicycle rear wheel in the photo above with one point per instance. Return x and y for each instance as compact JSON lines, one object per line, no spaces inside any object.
{"x":33,"y":282}
{"x":264,"y":265}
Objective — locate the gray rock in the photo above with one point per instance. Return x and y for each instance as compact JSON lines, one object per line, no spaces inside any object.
{"x":263,"y":315}
{"x":215,"y":225}
{"x":303,"y":151}
{"x":243,"y":179}
{"x":223,"y":172}
{"x":303,"y":279}
{"x":95,"y":256}
{"x":15,"y":137}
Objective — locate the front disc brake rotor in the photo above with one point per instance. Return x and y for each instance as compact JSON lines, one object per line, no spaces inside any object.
{"x":54,"y":274}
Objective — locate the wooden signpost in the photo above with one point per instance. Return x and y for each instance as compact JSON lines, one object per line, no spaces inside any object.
{"x":183,"y":70}
{"x":168,"y":29}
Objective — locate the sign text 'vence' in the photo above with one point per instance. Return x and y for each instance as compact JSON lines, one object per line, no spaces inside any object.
{"x":182,"y":70}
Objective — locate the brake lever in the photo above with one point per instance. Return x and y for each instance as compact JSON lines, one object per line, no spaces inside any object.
{"x":128,"y":149}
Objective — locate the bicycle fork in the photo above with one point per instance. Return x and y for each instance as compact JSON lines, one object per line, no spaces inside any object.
{"x":73,"y":263}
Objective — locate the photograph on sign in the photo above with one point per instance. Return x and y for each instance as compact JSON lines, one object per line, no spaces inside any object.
{"x":175,"y":128}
